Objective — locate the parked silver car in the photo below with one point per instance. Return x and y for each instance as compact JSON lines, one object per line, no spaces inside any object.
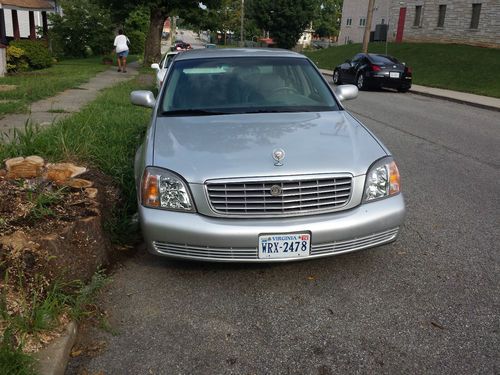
{"x":251,"y":157}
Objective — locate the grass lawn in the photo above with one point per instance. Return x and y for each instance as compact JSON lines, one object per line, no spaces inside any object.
{"x":17,"y":91}
{"x":448,"y":66}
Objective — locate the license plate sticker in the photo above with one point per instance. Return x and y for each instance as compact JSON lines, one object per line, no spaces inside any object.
{"x":394,"y":74}
{"x":290,"y":245}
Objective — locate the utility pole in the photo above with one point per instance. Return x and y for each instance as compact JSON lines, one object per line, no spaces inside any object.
{"x":242,"y":31}
{"x":368,"y":26}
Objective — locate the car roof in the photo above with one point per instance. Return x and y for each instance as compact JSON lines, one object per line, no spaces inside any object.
{"x":203,"y":53}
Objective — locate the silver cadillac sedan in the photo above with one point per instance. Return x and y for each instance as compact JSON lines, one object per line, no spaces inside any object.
{"x":251,"y":157}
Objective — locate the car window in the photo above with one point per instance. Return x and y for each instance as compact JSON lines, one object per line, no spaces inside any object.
{"x":162,"y":61}
{"x":356,"y":59}
{"x":245,"y":85}
{"x":383,"y":60}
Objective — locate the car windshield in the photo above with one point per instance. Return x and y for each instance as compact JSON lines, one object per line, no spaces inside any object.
{"x":245,"y":85}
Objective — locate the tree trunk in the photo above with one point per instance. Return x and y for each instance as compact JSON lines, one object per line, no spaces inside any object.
{"x":152,"y":50}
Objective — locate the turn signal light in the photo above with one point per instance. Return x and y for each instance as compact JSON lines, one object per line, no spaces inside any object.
{"x":394,"y":179}
{"x":150,"y":192}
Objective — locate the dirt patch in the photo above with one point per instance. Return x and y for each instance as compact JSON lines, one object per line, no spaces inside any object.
{"x":4,"y":88}
{"x":50,"y":232}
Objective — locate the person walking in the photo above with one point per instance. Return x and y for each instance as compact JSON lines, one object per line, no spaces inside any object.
{"x":121,"y":47}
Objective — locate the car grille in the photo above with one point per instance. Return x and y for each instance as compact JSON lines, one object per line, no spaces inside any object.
{"x":251,"y":254}
{"x":301,"y":196}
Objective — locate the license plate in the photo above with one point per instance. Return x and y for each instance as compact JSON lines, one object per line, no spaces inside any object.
{"x":394,"y":74}
{"x":288,"y":245}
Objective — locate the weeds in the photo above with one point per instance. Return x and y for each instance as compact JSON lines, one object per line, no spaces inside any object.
{"x":42,"y":203}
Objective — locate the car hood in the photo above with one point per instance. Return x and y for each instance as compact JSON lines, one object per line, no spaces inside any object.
{"x":209,"y":147}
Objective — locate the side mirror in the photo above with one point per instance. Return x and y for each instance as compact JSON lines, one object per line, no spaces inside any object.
{"x":346,"y":92}
{"x":143,"y":98}
{"x":347,"y":61}
{"x":155,"y":66}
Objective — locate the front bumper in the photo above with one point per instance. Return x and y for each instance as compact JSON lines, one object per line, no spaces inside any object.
{"x":194,"y":236}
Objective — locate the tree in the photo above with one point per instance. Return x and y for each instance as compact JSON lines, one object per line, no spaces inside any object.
{"x":326,"y":22}
{"x":284,"y":19}
{"x":158,"y":11}
{"x":85,"y":26}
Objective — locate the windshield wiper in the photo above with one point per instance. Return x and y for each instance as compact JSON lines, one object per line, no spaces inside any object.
{"x":193,"y":112}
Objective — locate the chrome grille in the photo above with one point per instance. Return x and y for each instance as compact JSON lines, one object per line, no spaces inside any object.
{"x":297,"y":196}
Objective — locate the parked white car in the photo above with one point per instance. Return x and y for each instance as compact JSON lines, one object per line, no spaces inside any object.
{"x":162,"y":67}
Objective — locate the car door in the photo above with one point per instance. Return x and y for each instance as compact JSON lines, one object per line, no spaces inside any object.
{"x":352,"y":70}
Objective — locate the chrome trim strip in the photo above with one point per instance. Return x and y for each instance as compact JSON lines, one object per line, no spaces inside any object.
{"x":215,"y":254}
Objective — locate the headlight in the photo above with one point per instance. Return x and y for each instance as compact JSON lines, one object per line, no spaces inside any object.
{"x":165,"y":190}
{"x":382,"y":180}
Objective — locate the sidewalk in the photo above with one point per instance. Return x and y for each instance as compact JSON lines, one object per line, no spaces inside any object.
{"x":455,"y":96}
{"x":47,"y":111}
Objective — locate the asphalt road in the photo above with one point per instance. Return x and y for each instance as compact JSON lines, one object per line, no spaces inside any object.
{"x":428,"y":303}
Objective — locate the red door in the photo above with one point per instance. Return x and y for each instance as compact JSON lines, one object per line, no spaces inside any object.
{"x":401,"y":25}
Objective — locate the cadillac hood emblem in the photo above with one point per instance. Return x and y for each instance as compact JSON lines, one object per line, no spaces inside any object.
{"x":278,"y":155}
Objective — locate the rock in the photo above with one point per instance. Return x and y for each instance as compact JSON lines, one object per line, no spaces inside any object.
{"x":62,"y":172}
{"x":20,"y":167}
{"x":78,"y":183}
{"x":91,"y":193}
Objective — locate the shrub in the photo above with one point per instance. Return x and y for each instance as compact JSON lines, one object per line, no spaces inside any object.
{"x":36,"y":52}
{"x":16,"y":59}
{"x":137,"y":41}
{"x":84,"y":29}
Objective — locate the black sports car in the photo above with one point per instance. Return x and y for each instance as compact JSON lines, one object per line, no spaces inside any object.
{"x":372,"y":70}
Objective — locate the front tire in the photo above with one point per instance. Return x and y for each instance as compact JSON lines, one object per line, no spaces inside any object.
{"x":336,"y":78}
{"x":360,"y":81}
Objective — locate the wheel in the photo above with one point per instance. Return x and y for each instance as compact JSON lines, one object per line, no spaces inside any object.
{"x":336,"y":78}
{"x":403,"y":89}
{"x":360,"y":81}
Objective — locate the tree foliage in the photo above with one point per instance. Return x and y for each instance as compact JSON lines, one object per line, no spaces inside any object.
{"x":85,"y":28}
{"x":284,"y":19}
{"x":326,"y":21}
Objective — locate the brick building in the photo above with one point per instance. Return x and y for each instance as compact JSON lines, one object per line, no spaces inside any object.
{"x":475,"y":22}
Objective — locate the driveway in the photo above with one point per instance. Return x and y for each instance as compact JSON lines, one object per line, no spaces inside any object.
{"x":428,"y":303}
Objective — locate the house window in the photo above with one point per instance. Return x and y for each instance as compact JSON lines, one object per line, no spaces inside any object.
{"x":441,"y":16}
{"x":418,"y":15}
{"x":476,"y":12}
{"x":349,"y":22}
{"x":362,"y":21}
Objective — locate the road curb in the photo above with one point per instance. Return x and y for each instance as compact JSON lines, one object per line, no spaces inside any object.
{"x":455,"y":100}
{"x":53,"y":359}
{"x":438,"y":96}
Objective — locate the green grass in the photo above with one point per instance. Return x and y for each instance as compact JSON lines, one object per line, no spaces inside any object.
{"x":39,"y":84}
{"x":14,"y":362}
{"x":40,"y":312}
{"x":448,"y":66}
{"x":104,"y":135}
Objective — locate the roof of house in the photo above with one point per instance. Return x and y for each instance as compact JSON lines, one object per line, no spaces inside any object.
{"x":27,"y":4}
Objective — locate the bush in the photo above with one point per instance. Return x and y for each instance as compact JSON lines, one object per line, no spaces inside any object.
{"x":36,"y":52}
{"x":16,"y":59}
{"x":137,"y":41}
{"x":84,"y":29}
